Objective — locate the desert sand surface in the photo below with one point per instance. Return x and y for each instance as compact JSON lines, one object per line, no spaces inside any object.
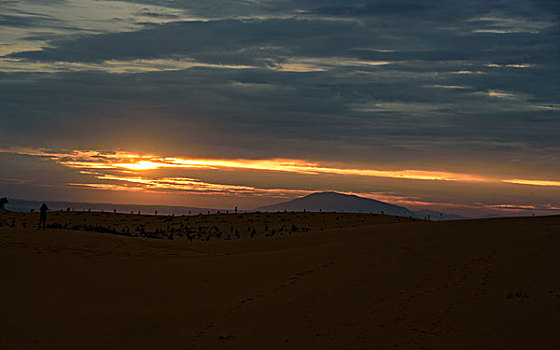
{"x":322,"y":281}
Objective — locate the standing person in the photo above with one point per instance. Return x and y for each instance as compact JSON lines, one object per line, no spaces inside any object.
{"x":3,"y":202}
{"x":43,"y":216}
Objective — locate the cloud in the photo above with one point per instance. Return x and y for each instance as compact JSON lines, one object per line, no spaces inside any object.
{"x":33,"y":24}
{"x":498,"y":94}
{"x":509,"y":25}
{"x":322,"y":64}
{"x":184,"y":185}
{"x":517,"y":65}
{"x":452,"y":87}
{"x":127,"y":162}
{"x":11,"y":65}
{"x":533,"y":182}
{"x":547,"y":107}
{"x":96,"y":160}
{"x":384,"y":85}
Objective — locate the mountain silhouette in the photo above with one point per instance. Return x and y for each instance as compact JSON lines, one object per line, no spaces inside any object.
{"x":338,"y":202}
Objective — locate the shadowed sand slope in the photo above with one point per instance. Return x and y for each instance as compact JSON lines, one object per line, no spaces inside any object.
{"x":481,"y":284}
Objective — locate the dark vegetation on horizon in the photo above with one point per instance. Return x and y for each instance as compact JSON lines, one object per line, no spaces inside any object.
{"x":198,"y":227}
{"x":314,"y":202}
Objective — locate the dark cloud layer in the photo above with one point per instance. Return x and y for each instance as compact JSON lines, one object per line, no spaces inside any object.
{"x":414,"y":84}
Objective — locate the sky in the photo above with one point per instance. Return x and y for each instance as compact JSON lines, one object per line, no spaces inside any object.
{"x":442,"y":105}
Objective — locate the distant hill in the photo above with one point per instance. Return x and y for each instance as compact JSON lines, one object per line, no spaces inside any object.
{"x":338,"y":202}
{"x":22,"y":205}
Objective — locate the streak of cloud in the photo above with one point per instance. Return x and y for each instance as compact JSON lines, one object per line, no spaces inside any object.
{"x":11,"y":65}
{"x":127,"y":161}
{"x":533,"y":182}
{"x":96,"y":160}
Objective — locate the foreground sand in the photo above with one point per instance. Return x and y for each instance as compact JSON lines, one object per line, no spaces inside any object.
{"x":382,"y":284}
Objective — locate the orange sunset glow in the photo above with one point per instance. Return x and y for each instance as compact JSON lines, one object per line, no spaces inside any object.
{"x":97,"y":160}
{"x":132,"y":172}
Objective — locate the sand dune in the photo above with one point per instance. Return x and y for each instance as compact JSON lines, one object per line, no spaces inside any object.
{"x":350,"y":281}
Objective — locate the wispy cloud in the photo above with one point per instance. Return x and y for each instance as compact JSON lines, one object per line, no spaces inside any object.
{"x":509,"y":25}
{"x":127,"y":162}
{"x":511,"y":65}
{"x":522,"y":208}
{"x":96,"y":160}
{"x":13,"y":65}
{"x":550,"y":107}
{"x":56,"y":19}
{"x":449,"y":87}
{"x":33,"y":26}
{"x":320,"y":64}
{"x":467,"y":72}
{"x":183,"y":185}
{"x":406,"y":107}
{"x":497,"y":94}
{"x":533,"y":182}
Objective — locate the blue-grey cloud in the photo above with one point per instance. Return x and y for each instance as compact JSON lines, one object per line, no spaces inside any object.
{"x":438,"y":82}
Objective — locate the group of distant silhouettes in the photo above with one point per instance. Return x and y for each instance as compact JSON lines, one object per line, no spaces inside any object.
{"x":42,"y":212}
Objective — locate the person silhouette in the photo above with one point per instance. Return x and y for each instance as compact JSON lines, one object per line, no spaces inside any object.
{"x":43,"y":216}
{"x":3,"y":202}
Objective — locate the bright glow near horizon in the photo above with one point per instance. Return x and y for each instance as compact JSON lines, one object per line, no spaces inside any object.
{"x":142,"y":173}
{"x":97,"y":160}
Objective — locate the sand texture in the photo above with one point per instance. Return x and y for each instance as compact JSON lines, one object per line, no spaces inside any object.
{"x":321,"y":281}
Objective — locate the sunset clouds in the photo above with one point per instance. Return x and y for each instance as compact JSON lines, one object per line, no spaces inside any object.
{"x":149,"y":173}
{"x":130,"y":162}
{"x":427,"y":102}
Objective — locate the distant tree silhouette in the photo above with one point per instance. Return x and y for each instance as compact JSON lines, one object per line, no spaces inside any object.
{"x":3,"y":202}
{"x":43,"y":216}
